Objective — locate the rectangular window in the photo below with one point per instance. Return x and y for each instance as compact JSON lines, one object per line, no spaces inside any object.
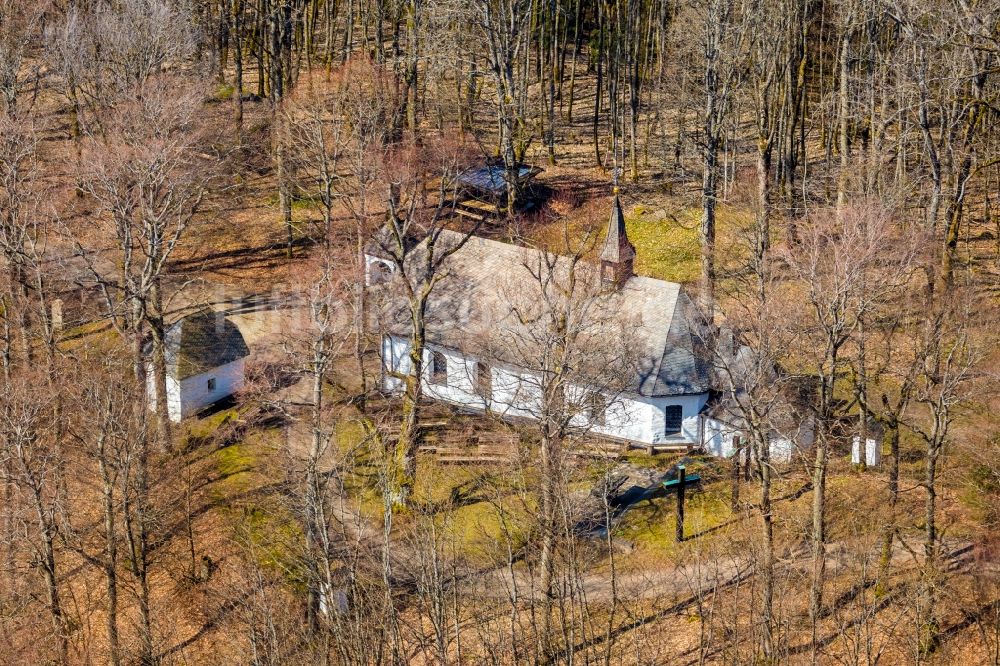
{"x":211,"y":384}
{"x":439,"y":369}
{"x":673,"y":417}
{"x":484,"y":380}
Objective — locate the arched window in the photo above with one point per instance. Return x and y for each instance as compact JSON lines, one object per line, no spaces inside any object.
{"x":439,"y":369}
{"x":379,"y":271}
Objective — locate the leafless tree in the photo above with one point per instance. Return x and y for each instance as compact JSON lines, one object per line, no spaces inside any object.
{"x":723,"y":45}
{"x":148,"y":181}
{"x":30,"y":461}
{"x":19,"y":233}
{"x":107,"y":435}
{"x":340,"y":132}
{"x":105,"y":52}
{"x":20,"y":22}
{"x":835,"y":263}
{"x":504,"y":25}
{"x":942,"y":385}
{"x":409,"y":173}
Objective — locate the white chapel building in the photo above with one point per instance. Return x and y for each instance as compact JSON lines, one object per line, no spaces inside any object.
{"x":477,"y":336}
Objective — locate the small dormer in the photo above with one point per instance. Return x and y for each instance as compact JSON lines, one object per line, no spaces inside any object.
{"x":618,"y":255}
{"x":380,"y":266}
{"x":378,"y":269}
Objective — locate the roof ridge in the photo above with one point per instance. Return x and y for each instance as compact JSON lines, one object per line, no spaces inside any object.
{"x":515,"y":246}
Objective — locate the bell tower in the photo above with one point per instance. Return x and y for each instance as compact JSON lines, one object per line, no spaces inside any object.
{"x":618,"y":254}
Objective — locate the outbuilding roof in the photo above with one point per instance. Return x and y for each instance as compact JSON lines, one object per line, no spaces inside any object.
{"x":489,"y":287}
{"x":493,"y":178}
{"x":202,"y":342}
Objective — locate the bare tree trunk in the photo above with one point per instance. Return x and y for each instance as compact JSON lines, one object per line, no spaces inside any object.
{"x":284,"y":193}
{"x":928,"y":620}
{"x":237,"y":10}
{"x":818,"y":540}
{"x":734,"y":475}
{"x":159,"y":358}
{"x":314,"y":497}
{"x":715,"y":91}
{"x":546,"y":559}
{"x":412,"y":17}
{"x":843,"y":100}
{"x":707,"y":228}
{"x":136,"y":513}
{"x":110,"y":554}
{"x":409,"y":435}
{"x":891,"y":437}
{"x":595,"y":126}
{"x":930,"y":149}
{"x":47,"y":532}
{"x":767,"y":565}
{"x":576,"y":54}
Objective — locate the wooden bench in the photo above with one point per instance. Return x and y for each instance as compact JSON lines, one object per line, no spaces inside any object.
{"x":497,"y":450}
{"x":481,"y":454}
{"x":477,"y":210}
{"x":478,"y":217}
{"x":484,"y":206}
{"x":597,"y":451}
{"x":471,"y":460}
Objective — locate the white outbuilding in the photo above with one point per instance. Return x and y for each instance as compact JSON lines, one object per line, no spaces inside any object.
{"x":205,"y":363}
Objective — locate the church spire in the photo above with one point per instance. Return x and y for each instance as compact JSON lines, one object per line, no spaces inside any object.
{"x":618,"y":253}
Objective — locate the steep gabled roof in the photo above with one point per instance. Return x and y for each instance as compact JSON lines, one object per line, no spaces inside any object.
{"x":487,"y":285}
{"x":202,"y":342}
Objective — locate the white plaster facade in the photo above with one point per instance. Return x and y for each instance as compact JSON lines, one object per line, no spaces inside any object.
{"x":873,"y":451}
{"x":514,"y":392}
{"x":192,"y":394}
{"x":720,"y":440}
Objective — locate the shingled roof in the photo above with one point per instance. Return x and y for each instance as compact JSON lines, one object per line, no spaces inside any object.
{"x":492,"y":178}
{"x":617,"y":247}
{"x":202,"y":342}
{"x":487,"y":284}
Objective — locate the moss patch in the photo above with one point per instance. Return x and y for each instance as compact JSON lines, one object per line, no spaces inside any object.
{"x":349,"y":435}
{"x":668,"y":247}
{"x":270,"y":538}
{"x":651,"y":525}
{"x":485,"y":530}
{"x":202,"y":429}
{"x":260,"y":521}
{"x":482,"y":510}
{"x":233,"y":461}
{"x":665,"y":248}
